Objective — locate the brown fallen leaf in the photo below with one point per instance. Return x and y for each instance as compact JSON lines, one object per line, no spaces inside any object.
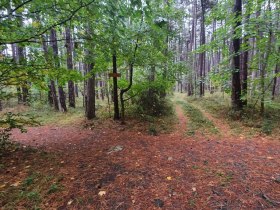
{"x":15,"y":184}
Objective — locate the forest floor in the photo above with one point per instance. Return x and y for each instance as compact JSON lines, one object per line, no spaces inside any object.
{"x":106,"y":165}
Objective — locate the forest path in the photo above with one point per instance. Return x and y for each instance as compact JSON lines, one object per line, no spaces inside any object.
{"x":182,"y":119}
{"x":222,"y":125}
{"x":108,"y":166}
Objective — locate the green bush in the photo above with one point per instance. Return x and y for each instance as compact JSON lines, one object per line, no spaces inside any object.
{"x":151,"y":102}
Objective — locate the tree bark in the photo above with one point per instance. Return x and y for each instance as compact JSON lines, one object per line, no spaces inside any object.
{"x":115,"y":89}
{"x":236,"y":86}
{"x":202,"y":55}
{"x":52,"y":89}
{"x":275,"y":82}
{"x":69,"y":50}
{"x":21,"y":60}
{"x":57,"y":65}
{"x":245,"y":66}
{"x":90,"y":95}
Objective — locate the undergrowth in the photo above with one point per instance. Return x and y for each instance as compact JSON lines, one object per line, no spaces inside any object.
{"x":163,"y":122}
{"x":248,"y":121}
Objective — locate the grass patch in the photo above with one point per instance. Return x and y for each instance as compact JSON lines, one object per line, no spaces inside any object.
{"x":29,"y":191}
{"x":197,"y":121}
{"x":248,"y":121}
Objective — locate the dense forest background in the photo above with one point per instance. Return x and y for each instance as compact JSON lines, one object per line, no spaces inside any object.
{"x":138,"y":52}
{"x":139,"y":104}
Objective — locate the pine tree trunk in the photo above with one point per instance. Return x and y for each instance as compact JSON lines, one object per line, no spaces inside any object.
{"x":245,"y":72}
{"x":52,"y":89}
{"x":275,"y":82}
{"x":202,"y":55}
{"x":57,"y":64}
{"x":96,"y":87}
{"x":236,"y":86}
{"x":69,"y":50}
{"x":115,"y":90}
{"x":90,"y":95}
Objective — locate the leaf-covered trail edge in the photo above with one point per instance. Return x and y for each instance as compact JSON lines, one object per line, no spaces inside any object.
{"x":183,"y":172}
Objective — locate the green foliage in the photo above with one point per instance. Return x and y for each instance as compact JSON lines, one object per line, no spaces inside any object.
{"x":53,"y":188}
{"x":246,"y":122}
{"x":11,"y":121}
{"x":151,"y":102}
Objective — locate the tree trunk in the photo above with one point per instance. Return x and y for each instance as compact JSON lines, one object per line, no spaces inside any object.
{"x":52,"y":89}
{"x":57,"y":65}
{"x":101,"y":86}
{"x":125,"y":90}
{"x":69,"y":50}
{"x":245,"y":72}
{"x":90,"y":95}
{"x":275,"y":82}
{"x":21,"y":61}
{"x":96,"y":87}
{"x":15,"y":59}
{"x":236,"y":88}
{"x":202,"y":55}
{"x":76,"y":90}
{"x":115,"y":89}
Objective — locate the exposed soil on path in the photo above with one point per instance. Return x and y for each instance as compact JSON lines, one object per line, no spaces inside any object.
{"x":113,"y":167}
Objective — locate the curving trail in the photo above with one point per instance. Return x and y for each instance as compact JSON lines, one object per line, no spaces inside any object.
{"x":112,"y":168}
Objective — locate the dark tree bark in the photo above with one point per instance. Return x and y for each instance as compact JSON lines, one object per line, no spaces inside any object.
{"x":236,"y":85}
{"x":57,"y":64}
{"x":277,"y":70}
{"x":90,"y":95}
{"x":245,"y":68}
{"x":69,"y":50}
{"x":202,"y":55}
{"x":115,"y":89}
{"x":76,"y":90}
{"x":21,"y":59}
{"x":52,"y":96}
{"x":15,"y":58}
{"x":96,"y":87}
{"x":102,"y":86}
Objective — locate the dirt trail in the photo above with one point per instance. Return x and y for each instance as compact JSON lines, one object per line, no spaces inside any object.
{"x":222,"y":125}
{"x":114,"y":168}
{"x":181,"y":118}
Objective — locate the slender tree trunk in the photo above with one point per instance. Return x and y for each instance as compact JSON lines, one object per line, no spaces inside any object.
{"x":24,"y":88}
{"x":90,"y":101}
{"x":52,"y":89}
{"x":202,"y":55}
{"x":277,"y":70}
{"x":236,"y":86}
{"x":245,"y":65}
{"x":69,"y":50}
{"x":115,"y":89}
{"x":76,"y":91}
{"x":101,"y":85}
{"x":96,"y":86}
{"x":123,"y":91}
{"x":16,"y":60}
{"x":265,"y":64}
{"x":57,"y":65}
